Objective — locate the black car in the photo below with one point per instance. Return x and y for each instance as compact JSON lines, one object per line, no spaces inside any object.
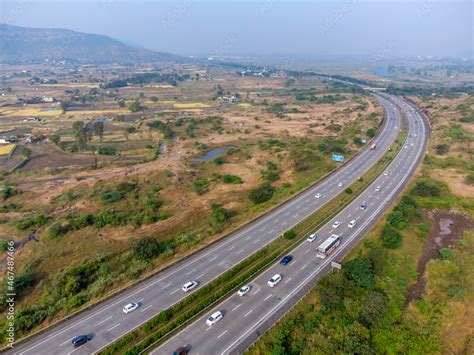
{"x":363,"y":206}
{"x":182,"y":350}
{"x":80,"y":340}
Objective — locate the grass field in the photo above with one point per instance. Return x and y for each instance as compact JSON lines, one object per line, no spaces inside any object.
{"x":7,"y":149}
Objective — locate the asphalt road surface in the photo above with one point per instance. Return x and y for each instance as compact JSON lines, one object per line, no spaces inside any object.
{"x":247,"y":317}
{"x":106,"y":322}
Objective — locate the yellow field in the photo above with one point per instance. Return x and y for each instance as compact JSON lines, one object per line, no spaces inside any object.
{"x":165,"y":86}
{"x":167,"y":102}
{"x":184,"y":110}
{"x":74,"y":85}
{"x":56,"y":113}
{"x":191,"y":105}
{"x":7,"y":148}
{"x":244,"y":105}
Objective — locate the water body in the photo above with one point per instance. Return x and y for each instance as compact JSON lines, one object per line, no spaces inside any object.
{"x":210,"y":154}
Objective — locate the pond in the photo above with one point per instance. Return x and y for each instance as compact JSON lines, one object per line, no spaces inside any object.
{"x":210,"y":154}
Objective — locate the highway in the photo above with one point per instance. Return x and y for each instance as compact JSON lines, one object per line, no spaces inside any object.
{"x":247,"y":317}
{"x":106,"y":322}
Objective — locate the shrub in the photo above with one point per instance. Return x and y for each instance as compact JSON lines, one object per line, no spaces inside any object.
{"x":145,"y":248}
{"x":391,"y":238}
{"x":470,"y":178}
{"x":370,"y":132}
{"x":290,"y":234}
{"x":32,"y":222}
{"x":442,"y":149}
{"x":261,"y":193}
{"x":348,"y":190}
{"x":360,"y":270}
{"x":270,"y":176}
{"x":111,"y":196}
{"x":219,"y":161}
{"x":231,"y":179}
{"x":426,"y":188}
{"x":446,"y":253}
{"x":219,"y":216}
{"x":107,"y":151}
{"x":201,"y":185}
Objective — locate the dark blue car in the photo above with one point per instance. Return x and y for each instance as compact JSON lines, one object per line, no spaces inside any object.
{"x":80,"y":340}
{"x":286,"y":260}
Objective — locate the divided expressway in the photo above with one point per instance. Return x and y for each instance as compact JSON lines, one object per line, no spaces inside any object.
{"x":248,"y":317}
{"x":106,"y":322}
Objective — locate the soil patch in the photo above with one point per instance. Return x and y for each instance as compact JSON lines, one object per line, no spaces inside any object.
{"x":446,"y":228}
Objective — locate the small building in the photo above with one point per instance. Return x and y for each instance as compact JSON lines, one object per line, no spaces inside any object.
{"x":48,"y":99}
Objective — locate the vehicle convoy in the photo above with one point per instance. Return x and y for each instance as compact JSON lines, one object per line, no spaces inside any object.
{"x":328,"y":246}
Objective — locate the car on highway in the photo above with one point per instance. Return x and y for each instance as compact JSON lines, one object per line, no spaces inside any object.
{"x":182,"y":350}
{"x":275,"y":279}
{"x":412,"y":144}
{"x":214,"y":318}
{"x":340,"y":184}
{"x":336,"y":224}
{"x":130,"y":307}
{"x":318,"y":195}
{"x":286,"y":260}
{"x":80,"y":340}
{"x":385,"y":173}
{"x":363,"y":206}
{"x":377,"y":189}
{"x":244,"y":290}
{"x":352,"y":224}
{"x":312,"y":238}
{"x":188,"y":286}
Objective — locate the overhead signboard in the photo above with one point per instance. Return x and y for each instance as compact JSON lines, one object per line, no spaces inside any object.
{"x":337,"y":157}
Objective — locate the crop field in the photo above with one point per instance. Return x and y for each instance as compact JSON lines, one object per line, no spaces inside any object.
{"x":6,"y":149}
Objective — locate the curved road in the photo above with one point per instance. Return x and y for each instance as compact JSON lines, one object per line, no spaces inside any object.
{"x":106,"y":322}
{"x":246,"y":318}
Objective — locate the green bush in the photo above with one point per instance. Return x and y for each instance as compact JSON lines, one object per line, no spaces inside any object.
{"x":290,"y":234}
{"x":271,"y":176}
{"x":348,"y":190}
{"x":201,"y":185}
{"x":370,"y":132}
{"x":107,"y":151}
{"x":446,"y":253}
{"x":261,"y":193}
{"x":391,"y":238}
{"x":426,"y":188}
{"x":145,"y":248}
{"x":219,"y":161}
{"x":111,"y":196}
{"x":32,"y":222}
{"x":360,"y":271}
{"x":231,"y":179}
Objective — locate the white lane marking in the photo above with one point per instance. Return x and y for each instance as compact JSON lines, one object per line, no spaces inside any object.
{"x":225,"y":331}
{"x":304,"y":266}
{"x":172,"y":293}
{"x":349,"y":215}
{"x":144,"y":309}
{"x":231,"y":248}
{"x":105,"y":320}
{"x":266,"y":298}
{"x":214,"y":258}
{"x":244,"y":239}
{"x":288,"y":280}
{"x":115,"y":326}
{"x":240,"y":251}
{"x":246,"y":314}
{"x":139,"y":300}
{"x":257,"y":291}
{"x":190,"y":272}
{"x":256,"y":241}
{"x":221,"y":263}
{"x":307,"y":251}
{"x":262,"y":229}
{"x":67,"y":341}
{"x":240,"y":304}
{"x":198,"y":277}
{"x":166,"y":286}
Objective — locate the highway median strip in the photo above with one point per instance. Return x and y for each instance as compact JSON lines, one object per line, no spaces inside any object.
{"x":168,"y":322}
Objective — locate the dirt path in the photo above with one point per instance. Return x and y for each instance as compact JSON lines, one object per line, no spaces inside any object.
{"x":447,"y":227}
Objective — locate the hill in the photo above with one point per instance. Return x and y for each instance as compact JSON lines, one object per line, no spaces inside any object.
{"x":35,"y":45}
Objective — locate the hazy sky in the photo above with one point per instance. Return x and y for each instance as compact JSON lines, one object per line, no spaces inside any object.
{"x":376,"y":29}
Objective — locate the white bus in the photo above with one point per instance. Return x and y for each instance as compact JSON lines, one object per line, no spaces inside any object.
{"x":328,"y":246}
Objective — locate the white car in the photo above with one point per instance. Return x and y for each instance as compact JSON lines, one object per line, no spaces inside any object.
{"x":274,"y":280}
{"x":336,"y":224}
{"x":214,"y":318}
{"x":340,"y":184}
{"x":377,"y":189}
{"x":130,"y":307}
{"x":318,"y":195}
{"x":188,"y":286}
{"x":385,"y":173}
{"x":352,"y":223}
{"x":244,"y":290}
{"x":413,"y":144}
{"x":311,"y":238}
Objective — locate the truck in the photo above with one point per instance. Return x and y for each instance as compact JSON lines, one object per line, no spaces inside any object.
{"x":373,"y":146}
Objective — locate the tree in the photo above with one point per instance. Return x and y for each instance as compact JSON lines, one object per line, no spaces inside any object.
{"x":145,"y":248}
{"x":55,"y":138}
{"x":442,"y":149}
{"x":25,"y":153}
{"x":128,"y":131}
{"x":374,"y":306}
{"x":63,"y":107}
{"x":391,"y":238}
{"x":99,"y":129}
{"x":121,"y":103}
{"x":135,"y":106}
{"x":360,"y":270}
{"x":80,"y":134}
{"x":261,"y":193}
{"x":370,"y":132}
{"x":154,"y":99}
{"x":219,"y":216}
